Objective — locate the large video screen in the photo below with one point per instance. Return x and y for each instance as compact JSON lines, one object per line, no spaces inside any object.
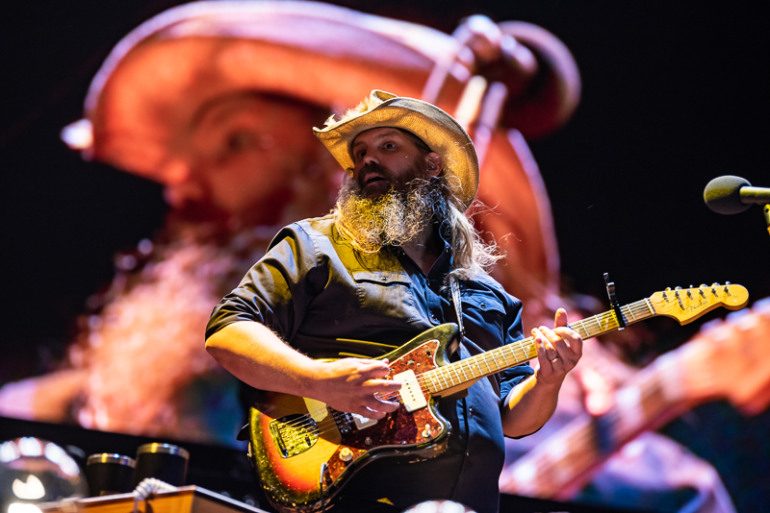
{"x":153,"y":150}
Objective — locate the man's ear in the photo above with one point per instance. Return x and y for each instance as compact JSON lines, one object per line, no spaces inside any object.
{"x":433,"y":163}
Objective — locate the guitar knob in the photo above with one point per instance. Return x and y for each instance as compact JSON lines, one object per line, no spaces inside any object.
{"x":345,"y":454}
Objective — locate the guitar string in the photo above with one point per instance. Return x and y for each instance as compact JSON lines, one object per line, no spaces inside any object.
{"x":587,"y":432}
{"x":443,"y":373}
{"x":633,"y":309}
{"x":613,"y":418}
{"x":336,"y":415}
{"x":466,"y":364}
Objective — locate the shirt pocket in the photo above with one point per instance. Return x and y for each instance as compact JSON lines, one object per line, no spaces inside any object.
{"x":386,"y":293}
{"x":486,"y":311}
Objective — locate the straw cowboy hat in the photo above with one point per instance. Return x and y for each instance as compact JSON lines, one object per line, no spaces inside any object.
{"x":440,"y":131}
{"x":157,"y":77}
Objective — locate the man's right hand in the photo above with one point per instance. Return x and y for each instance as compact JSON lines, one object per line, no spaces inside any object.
{"x":356,"y":385}
{"x":253,"y":353}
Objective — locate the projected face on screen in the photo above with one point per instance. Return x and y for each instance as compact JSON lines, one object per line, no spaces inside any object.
{"x":243,"y":161}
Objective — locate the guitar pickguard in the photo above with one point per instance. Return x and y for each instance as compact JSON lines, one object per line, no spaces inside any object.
{"x":304,"y":454}
{"x":399,"y":432}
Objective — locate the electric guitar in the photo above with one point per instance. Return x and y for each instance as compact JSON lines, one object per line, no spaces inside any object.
{"x":724,"y":360}
{"x":305,"y":452}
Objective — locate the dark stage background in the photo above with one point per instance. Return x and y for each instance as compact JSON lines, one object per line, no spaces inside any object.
{"x":673,"y":95}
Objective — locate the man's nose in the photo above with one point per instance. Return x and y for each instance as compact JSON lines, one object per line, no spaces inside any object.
{"x":370,"y":158}
{"x":367,"y":160}
{"x":180,"y":185}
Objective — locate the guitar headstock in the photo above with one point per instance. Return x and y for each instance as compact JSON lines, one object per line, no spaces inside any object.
{"x":686,"y":305}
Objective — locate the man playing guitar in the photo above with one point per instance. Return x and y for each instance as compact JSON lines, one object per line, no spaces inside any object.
{"x":396,"y":256}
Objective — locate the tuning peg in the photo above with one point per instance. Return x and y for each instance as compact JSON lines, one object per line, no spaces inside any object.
{"x":678,"y":297}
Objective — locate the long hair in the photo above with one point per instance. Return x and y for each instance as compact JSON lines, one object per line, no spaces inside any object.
{"x":472,"y":254}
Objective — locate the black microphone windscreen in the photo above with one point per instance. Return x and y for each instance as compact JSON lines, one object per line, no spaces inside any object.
{"x":723,"y":194}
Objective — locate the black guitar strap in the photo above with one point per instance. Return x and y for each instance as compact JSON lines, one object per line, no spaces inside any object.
{"x":457,"y":304}
{"x":455,"y":287}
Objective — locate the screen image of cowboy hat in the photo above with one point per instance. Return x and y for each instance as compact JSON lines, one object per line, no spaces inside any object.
{"x":153,"y":149}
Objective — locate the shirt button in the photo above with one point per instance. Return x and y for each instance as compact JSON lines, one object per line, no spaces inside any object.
{"x":470,"y":411}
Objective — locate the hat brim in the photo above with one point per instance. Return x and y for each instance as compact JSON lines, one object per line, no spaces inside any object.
{"x":432,"y":125}
{"x":156,"y":78}
{"x":151,"y":86}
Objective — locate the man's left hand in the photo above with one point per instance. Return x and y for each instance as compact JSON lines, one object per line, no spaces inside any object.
{"x":558,"y":349}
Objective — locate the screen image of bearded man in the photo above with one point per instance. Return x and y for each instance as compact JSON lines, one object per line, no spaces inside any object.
{"x":380,"y":268}
{"x":222,"y":136}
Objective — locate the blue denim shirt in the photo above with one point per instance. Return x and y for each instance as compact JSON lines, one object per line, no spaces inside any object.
{"x":327,"y":299}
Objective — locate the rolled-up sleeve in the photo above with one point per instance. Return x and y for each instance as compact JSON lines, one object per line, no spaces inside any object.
{"x":277,"y":289}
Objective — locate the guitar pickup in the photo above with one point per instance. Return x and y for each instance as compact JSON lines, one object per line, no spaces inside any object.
{"x":411,"y":393}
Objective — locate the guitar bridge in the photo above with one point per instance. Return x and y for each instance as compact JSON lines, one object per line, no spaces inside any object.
{"x":294,"y":434}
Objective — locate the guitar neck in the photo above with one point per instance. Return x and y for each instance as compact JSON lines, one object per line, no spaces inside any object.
{"x":718,"y":363}
{"x":469,"y":370}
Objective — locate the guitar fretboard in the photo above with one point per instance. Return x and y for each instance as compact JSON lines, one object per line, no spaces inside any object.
{"x":491,"y":362}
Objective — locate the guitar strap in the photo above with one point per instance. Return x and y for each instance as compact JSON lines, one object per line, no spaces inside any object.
{"x":455,"y":287}
{"x":457,"y":303}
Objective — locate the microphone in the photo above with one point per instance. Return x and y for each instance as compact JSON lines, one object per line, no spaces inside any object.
{"x":730,"y":194}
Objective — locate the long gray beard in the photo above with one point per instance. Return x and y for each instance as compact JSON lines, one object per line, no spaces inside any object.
{"x":393,"y":219}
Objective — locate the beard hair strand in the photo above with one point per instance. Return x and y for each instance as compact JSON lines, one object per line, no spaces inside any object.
{"x":392,"y":219}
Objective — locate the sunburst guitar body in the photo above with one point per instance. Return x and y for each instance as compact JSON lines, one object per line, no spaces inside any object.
{"x":306,"y":451}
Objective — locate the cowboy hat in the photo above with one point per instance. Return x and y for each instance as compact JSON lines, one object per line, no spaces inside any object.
{"x":148,"y":90}
{"x":437,"y":129}
{"x":155,"y":80}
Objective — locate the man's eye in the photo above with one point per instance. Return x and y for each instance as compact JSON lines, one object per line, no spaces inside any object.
{"x":389,"y":146}
{"x":244,"y":140}
{"x":238,"y":141}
